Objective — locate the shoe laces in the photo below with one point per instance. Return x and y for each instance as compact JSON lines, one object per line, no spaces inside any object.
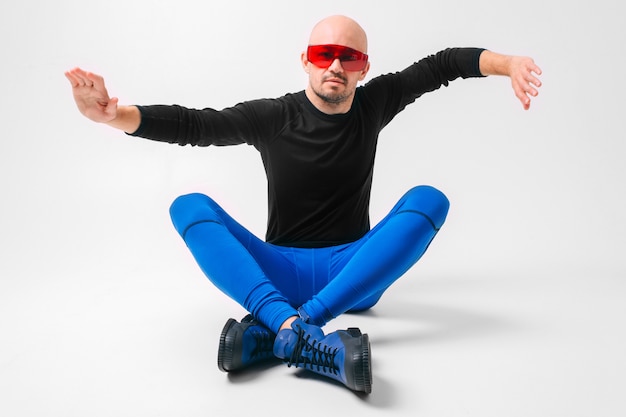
{"x":320,"y":357}
{"x":264,"y":343}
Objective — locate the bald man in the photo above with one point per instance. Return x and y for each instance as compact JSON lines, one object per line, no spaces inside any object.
{"x":320,"y":258}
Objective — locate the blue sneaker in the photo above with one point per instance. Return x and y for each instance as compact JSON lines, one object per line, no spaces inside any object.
{"x":343,"y":355}
{"x":244,"y":344}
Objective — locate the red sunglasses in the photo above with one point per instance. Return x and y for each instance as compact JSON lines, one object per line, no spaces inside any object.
{"x":323,"y":56}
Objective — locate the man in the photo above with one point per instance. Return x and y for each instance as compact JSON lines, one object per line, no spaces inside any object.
{"x":320,"y":258}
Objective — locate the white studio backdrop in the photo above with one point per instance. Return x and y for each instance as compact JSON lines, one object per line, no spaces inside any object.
{"x":541,"y":187}
{"x":85,"y":208}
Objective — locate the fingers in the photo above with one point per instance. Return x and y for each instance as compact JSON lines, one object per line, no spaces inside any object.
{"x":523,"y":98}
{"x":534,"y":68}
{"x":70,"y":75}
{"x":532,"y":79}
{"x":96,"y":81}
{"x":91,"y":96}
{"x":525,"y":82}
{"x":77,"y":77}
{"x":524,"y":92}
{"x":81,"y":78}
{"x":87,"y":87}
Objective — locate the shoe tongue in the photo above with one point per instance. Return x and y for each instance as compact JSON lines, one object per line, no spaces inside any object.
{"x":313,"y":332}
{"x":297,"y":324}
{"x":285,"y":343}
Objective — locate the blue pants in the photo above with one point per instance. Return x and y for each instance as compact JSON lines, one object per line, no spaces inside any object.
{"x":272,"y":281}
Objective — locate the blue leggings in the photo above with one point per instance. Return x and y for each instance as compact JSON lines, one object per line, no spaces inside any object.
{"x":272,"y":282}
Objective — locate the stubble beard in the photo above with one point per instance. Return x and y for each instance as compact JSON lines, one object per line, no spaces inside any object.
{"x":334,"y":97}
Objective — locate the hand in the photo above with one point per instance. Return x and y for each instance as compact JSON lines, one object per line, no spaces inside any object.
{"x":523,"y":73}
{"x":91,"y":96}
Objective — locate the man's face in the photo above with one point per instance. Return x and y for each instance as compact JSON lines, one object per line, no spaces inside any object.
{"x":331,"y":85}
{"x":334,"y":84}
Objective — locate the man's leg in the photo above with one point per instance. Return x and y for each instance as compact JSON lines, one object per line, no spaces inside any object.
{"x":383,"y":255}
{"x":236,"y":261}
{"x":232,"y":257}
{"x":359,"y":273}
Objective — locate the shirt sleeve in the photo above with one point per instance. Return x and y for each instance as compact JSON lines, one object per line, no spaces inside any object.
{"x":243,"y":123}
{"x":393,"y":92}
{"x":439,"y":69}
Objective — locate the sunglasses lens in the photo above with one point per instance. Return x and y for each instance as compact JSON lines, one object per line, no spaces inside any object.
{"x":352,"y":63}
{"x":322,"y":56}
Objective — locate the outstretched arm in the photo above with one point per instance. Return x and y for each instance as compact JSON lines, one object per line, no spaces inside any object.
{"x":522,"y":71}
{"x":93,"y":101}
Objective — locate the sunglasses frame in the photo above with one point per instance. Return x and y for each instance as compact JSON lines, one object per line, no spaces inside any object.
{"x":351,"y":59}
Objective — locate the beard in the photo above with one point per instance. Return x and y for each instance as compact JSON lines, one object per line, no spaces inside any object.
{"x":334,"y":97}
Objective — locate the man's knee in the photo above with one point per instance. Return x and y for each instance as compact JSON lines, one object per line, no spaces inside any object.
{"x":367,"y":303}
{"x":428,"y":201}
{"x":190,"y":209}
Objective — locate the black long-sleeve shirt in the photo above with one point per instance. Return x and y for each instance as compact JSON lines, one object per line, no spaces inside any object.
{"x":319,"y":166}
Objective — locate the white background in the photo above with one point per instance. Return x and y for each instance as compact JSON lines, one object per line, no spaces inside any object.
{"x":516,"y":310}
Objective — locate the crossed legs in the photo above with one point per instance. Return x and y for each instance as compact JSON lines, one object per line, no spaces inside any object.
{"x":272,"y":282}
{"x":292,"y":292}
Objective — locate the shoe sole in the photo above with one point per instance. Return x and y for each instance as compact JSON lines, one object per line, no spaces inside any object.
{"x":366,"y":382}
{"x":362,"y":360}
{"x":225,"y":350}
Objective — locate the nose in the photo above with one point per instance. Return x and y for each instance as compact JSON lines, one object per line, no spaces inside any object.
{"x":336,"y":66}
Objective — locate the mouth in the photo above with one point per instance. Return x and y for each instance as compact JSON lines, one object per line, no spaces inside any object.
{"x":335,"y":80}
{"x":335,"y":77}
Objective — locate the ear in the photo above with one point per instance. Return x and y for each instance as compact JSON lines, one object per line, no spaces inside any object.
{"x":305,"y":62}
{"x":365,"y":71}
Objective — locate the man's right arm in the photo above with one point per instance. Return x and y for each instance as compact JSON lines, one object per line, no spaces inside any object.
{"x":171,"y":124}
{"x":93,"y":102}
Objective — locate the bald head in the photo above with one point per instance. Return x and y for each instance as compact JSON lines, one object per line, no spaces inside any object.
{"x":339,"y":30}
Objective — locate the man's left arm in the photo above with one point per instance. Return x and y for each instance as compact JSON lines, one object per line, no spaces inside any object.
{"x":522,"y":71}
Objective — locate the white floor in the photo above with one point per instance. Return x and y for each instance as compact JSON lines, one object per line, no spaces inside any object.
{"x":509,"y":344}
